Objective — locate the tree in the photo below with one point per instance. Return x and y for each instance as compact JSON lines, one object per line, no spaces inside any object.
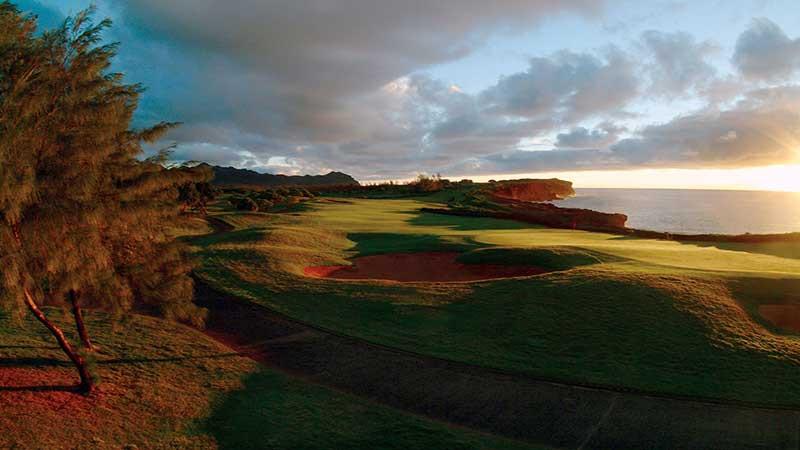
{"x":82,"y":220}
{"x":196,"y":195}
{"x":245,"y":204}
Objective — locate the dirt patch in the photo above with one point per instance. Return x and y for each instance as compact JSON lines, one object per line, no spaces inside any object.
{"x":426,"y":266}
{"x":786,"y":317}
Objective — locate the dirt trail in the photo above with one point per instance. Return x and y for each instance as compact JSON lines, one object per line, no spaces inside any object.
{"x":519,"y":407}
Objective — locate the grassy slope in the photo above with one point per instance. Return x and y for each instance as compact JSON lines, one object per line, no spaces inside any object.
{"x":656,"y":315}
{"x":169,"y":386}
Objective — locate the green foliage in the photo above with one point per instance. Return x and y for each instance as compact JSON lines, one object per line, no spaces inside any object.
{"x":80,"y":211}
{"x":244,"y":204}
{"x":264,"y":205}
{"x":196,"y":195}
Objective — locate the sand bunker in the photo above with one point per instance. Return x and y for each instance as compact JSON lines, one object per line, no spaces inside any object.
{"x":430,"y":266}
{"x":782,"y":316}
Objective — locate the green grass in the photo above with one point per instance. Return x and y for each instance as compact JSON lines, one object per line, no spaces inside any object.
{"x":550,"y":258}
{"x":660,"y":316}
{"x":276,"y":412}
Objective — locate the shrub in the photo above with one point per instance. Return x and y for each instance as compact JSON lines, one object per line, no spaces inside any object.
{"x":245,"y":204}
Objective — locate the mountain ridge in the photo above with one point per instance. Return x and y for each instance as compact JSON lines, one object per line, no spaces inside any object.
{"x":233,"y":176}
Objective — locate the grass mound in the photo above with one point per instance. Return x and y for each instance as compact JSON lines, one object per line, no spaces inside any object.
{"x":548,"y":258}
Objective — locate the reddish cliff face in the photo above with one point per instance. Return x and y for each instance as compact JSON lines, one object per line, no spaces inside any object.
{"x":532,"y":190}
{"x":553,"y":216}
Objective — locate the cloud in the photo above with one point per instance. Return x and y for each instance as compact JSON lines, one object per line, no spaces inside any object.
{"x":679,"y":62}
{"x":765,"y":52}
{"x":601,"y":137}
{"x":318,"y":85}
{"x":570,"y":86}
{"x":761,"y":129}
{"x":297,"y":68}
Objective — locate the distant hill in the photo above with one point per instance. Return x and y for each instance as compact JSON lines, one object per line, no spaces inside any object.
{"x":234,"y":176}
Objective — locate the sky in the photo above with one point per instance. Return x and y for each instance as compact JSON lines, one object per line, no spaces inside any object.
{"x":686,"y":94}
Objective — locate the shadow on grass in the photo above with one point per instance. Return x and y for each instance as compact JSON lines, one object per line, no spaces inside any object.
{"x":377,"y":243}
{"x":123,"y":361}
{"x":37,"y":347}
{"x":32,"y":362}
{"x":232,"y":237}
{"x":275,"y":411}
{"x":752,"y":293}
{"x":295,"y":208}
{"x":459,"y":223}
{"x":38,"y":388}
{"x":790,"y":250}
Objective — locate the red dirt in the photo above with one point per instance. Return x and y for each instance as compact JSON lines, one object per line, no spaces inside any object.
{"x":43,"y":391}
{"x":782,"y":316}
{"x":426,"y":266}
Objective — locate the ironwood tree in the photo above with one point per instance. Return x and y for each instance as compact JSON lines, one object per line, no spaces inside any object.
{"x":83,"y":221}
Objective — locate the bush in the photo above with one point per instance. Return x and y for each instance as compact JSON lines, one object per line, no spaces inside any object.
{"x":268,"y":194}
{"x":245,"y":204}
{"x":264,"y":205}
{"x":424,"y":183}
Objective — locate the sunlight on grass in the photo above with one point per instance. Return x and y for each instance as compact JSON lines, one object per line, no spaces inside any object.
{"x":653,"y":315}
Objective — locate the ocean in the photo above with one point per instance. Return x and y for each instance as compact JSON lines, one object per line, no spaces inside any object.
{"x":696,"y":211}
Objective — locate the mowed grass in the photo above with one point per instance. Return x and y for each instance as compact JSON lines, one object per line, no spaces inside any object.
{"x":658,"y":316}
{"x":165,"y":385}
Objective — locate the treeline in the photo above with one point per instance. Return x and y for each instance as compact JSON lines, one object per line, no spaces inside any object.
{"x":266,"y":199}
{"x":83,"y":220}
{"x":423,"y":184}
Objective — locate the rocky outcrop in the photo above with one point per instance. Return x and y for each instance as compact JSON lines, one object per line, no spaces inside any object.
{"x":572,"y":218}
{"x":531,"y":190}
{"x":546,"y":214}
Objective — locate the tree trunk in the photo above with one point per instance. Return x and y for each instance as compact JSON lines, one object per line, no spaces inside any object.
{"x":77,"y":313}
{"x":87,"y":382}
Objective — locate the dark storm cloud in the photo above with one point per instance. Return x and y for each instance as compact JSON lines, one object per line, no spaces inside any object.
{"x":307,"y":61}
{"x":765,"y":52}
{"x":307,"y":81}
{"x":317,"y":85}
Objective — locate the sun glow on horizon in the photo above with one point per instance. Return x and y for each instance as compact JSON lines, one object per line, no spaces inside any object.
{"x":784,"y":178}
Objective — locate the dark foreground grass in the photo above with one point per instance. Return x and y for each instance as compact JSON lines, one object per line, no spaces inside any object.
{"x":168,"y":386}
{"x":276,"y":412}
